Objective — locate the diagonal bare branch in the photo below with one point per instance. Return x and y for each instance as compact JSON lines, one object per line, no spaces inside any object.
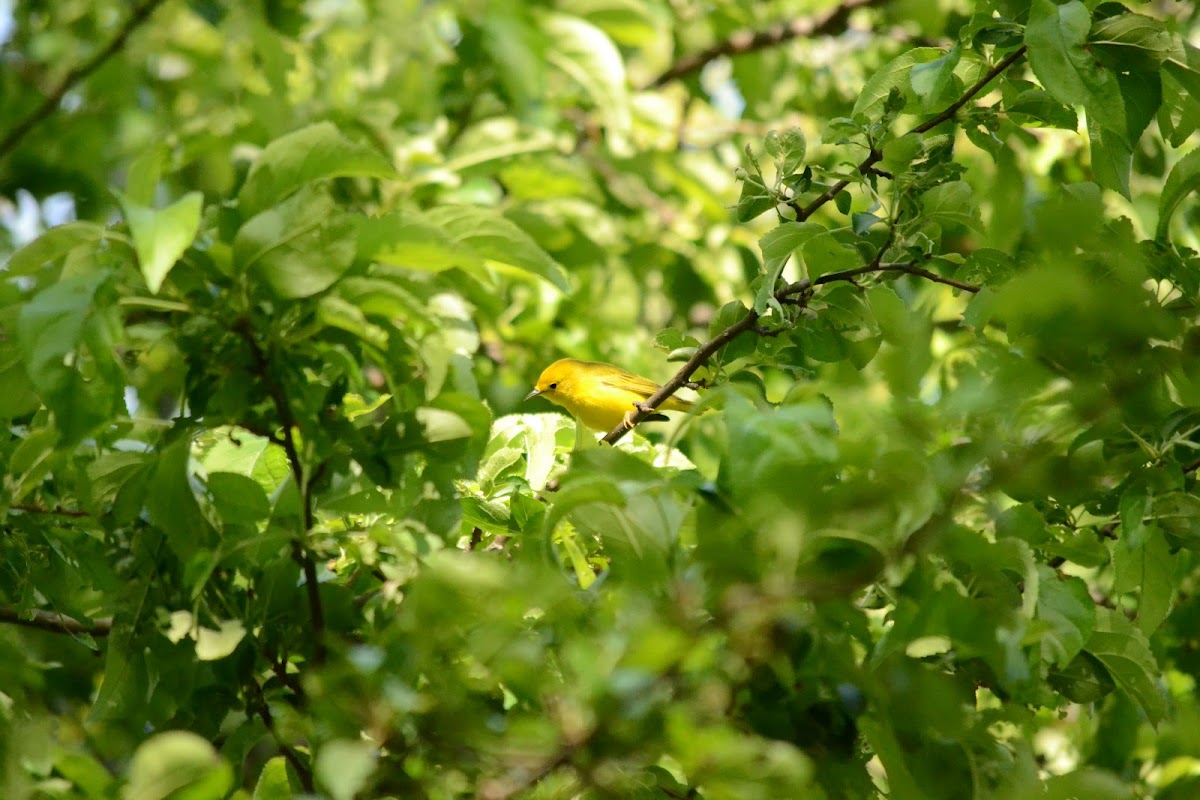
{"x":789,"y":293}
{"x":55,"y":622}
{"x":829,"y":23}
{"x":137,"y":18}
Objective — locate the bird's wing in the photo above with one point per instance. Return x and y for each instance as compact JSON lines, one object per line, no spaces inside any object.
{"x":628,"y":382}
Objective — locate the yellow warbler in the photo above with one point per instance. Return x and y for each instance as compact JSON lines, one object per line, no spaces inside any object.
{"x":599,"y":395}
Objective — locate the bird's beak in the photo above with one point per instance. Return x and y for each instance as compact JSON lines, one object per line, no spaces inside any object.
{"x":533,"y":394}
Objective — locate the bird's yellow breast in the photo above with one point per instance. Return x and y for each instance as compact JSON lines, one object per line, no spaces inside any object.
{"x":596,"y":405}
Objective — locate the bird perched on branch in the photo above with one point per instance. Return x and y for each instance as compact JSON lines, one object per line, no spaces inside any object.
{"x":599,"y":395}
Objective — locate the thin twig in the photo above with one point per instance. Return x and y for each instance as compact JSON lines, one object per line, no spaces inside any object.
{"x":749,"y":322}
{"x":279,"y":667}
{"x":968,"y":95}
{"x":873,"y":157}
{"x":259,"y":702}
{"x":56,"y":511}
{"x":287,"y":420}
{"x":519,"y":779}
{"x":904,"y":266}
{"x":788,"y":293}
{"x":54,"y":622}
{"x":137,"y":17}
{"x":830,"y":23}
{"x":684,"y":374}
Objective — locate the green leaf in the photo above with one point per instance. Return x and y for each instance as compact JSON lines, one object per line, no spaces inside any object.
{"x":1034,"y":105}
{"x":171,"y":501}
{"x":823,"y":253}
{"x":1067,"y":609}
{"x":838,"y":564}
{"x":1149,"y":570}
{"x":893,"y":75}
{"x":123,"y":685}
{"x":1143,"y":95}
{"x":1057,"y":37}
{"x":1089,"y":782}
{"x":337,"y":312}
{"x":31,"y":461}
{"x":498,"y":240}
{"x":300,"y":247}
{"x":1084,"y":680}
{"x":1125,"y":653}
{"x":317,"y":152}
{"x":273,"y":781}
{"x":177,"y":764}
{"x":238,"y":499}
{"x":951,"y":202}
{"x":777,"y":247}
{"x":143,"y":174}
{"x":1134,"y":42}
{"x":585,"y":53}
{"x":343,"y":766}
{"x":161,"y":237}
{"x":934,"y":82}
{"x":241,"y":452}
{"x":55,"y":330}
{"x":1112,"y":159}
{"x":1185,"y":69}
{"x":1182,"y":180}
{"x":408,"y":239}
{"x":1134,"y":507}
{"x":755,"y":198}
{"x":53,"y":245}
{"x":517,"y":47}
{"x":787,"y":149}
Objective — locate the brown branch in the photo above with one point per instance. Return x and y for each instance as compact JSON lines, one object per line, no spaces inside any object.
{"x":907,"y":266}
{"x":967,"y":96}
{"x":685,"y":373}
{"x":873,"y":157}
{"x":287,"y":420}
{"x":137,"y":17}
{"x":830,"y":23}
{"x":54,"y":622}
{"x":750,"y":320}
{"x":259,"y":702}
{"x":56,"y":511}
{"x":519,"y":780}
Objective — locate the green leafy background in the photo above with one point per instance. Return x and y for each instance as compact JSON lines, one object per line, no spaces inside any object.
{"x":275,"y":519}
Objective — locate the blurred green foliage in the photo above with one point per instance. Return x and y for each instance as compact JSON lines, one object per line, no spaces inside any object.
{"x":278,"y":275}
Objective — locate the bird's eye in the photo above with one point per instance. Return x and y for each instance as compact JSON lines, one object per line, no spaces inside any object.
{"x":553,"y":386}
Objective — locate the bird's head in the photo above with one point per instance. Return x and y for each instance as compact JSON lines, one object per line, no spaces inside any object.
{"x":554,"y":379}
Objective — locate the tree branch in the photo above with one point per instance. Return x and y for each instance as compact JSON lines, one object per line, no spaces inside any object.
{"x":830,"y":23}
{"x":54,"y":622}
{"x":137,"y":17}
{"x":263,"y":709}
{"x":750,"y":320}
{"x":300,"y":552}
{"x":905,"y":266}
{"x":56,"y":511}
{"x":518,"y":780}
{"x":979,"y":86}
{"x":685,"y":373}
{"x":873,"y":157}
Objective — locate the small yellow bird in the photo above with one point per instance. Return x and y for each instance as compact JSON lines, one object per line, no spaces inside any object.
{"x":599,"y":395}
